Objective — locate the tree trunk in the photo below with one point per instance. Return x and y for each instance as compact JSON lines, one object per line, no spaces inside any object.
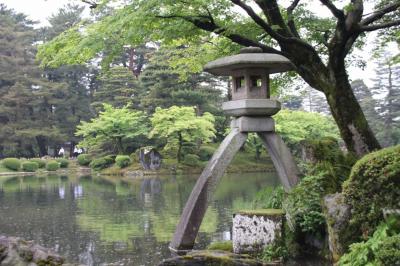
{"x":333,"y":81}
{"x":353,"y":126}
{"x":120,"y":147}
{"x":180,"y":143}
{"x":41,"y":141}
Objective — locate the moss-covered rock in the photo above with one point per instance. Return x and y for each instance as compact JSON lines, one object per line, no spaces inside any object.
{"x":15,"y":251}
{"x":211,"y":258}
{"x":374,"y":185}
{"x":337,"y":214}
{"x":223,"y":245}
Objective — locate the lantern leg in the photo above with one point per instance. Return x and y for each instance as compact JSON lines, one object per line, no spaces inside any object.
{"x":202,"y":193}
{"x":282,"y":159}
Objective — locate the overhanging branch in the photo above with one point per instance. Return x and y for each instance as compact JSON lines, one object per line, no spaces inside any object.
{"x":210,"y":26}
{"x":380,"y":13}
{"x":334,"y":10}
{"x":291,"y":24}
{"x":380,"y":26}
{"x":257,"y":19}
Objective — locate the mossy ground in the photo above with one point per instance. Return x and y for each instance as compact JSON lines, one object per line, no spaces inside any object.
{"x":262,"y":212}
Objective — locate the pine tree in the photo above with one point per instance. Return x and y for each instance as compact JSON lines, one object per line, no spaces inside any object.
{"x":27,"y":100}
{"x":369,"y":106}
{"x":387,"y":83}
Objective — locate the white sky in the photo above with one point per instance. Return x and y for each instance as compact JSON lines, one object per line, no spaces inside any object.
{"x":40,"y":10}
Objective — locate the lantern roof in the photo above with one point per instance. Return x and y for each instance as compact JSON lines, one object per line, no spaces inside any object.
{"x":249,"y":57}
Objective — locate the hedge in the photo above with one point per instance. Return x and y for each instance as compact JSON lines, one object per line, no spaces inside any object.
{"x":122,"y":161}
{"x":12,"y":163}
{"x":52,"y":165}
{"x":84,"y":159}
{"x":30,"y":166}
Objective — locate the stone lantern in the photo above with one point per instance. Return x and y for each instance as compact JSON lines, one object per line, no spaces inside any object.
{"x":251,"y":109}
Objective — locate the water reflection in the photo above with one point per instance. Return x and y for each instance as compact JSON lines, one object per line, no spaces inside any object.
{"x":103,"y":220}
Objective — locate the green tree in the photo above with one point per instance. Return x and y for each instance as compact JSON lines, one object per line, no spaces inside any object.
{"x":296,"y":126}
{"x":181,"y":126}
{"x":319,"y":47}
{"x":27,"y":100}
{"x":118,"y":87}
{"x":79,"y":79}
{"x":115,"y":129}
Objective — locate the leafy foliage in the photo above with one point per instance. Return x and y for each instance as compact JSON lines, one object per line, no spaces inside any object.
{"x":12,"y":163}
{"x":382,"y":248}
{"x":270,"y":198}
{"x":191,"y":160}
{"x":63,"y":162}
{"x":122,"y":161}
{"x":117,"y":126}
{"x":41,"y":163}
{"x":296,"y":126}
{"x":372,"y":186}
{"x":30,"y":166}
{"x":102,"y":162}
{"x":180,"y":126}
{"x":52,"y":165}
{"x":84,"y":159}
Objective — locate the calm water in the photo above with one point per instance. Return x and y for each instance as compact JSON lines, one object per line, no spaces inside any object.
{"x":106,"y":220}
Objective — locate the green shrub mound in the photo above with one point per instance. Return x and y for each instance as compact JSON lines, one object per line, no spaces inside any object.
{"x":41,"y":163}
{"x":12,"y":163}
{"x":373,"y":185}
{"x":102,"y":162}
{"x":122,"y":161}
{"x":191,"y":160}
{"x":63,"y":162}
{"x":205,"y":153}
{"x":84,"y":159}
{"x":52,"y":165}
{"x":30,"y":166}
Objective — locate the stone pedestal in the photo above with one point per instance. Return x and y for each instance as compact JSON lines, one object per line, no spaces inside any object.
{"x":253,"y":230}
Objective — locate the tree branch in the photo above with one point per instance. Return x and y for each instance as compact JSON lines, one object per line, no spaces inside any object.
{"x":257,"y":19}
{"x":92,"y":4}
{"x":380,"y":13}
{"x":291,"y":24}
{"x":210,"y":26}
{"x":339,"y":14}
{"x":380,"y":26}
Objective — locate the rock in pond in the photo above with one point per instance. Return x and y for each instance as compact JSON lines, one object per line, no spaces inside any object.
{"x":17,"y":252}
{"x":212,"y":258}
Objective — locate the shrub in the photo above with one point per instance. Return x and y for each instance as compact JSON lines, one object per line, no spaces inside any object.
{"x":303,"y":203}
{"x":205,"y":153}
{"x":30,"y":166}
{"x":63,"y":162}
{"x":52,"y":165}
{"x":12,"y":163}
{"x":84,"y":159}
{"x":41,"y":163}
{"x":122,"y":161}
{"x":269,"y":198}
{"x":383,"y":248}
{"x":373,"y":185}
{"x":102,"y":162}
{"x":191,"y":160}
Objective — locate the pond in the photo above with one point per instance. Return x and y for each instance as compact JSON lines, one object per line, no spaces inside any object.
{"x":109,"y":220}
